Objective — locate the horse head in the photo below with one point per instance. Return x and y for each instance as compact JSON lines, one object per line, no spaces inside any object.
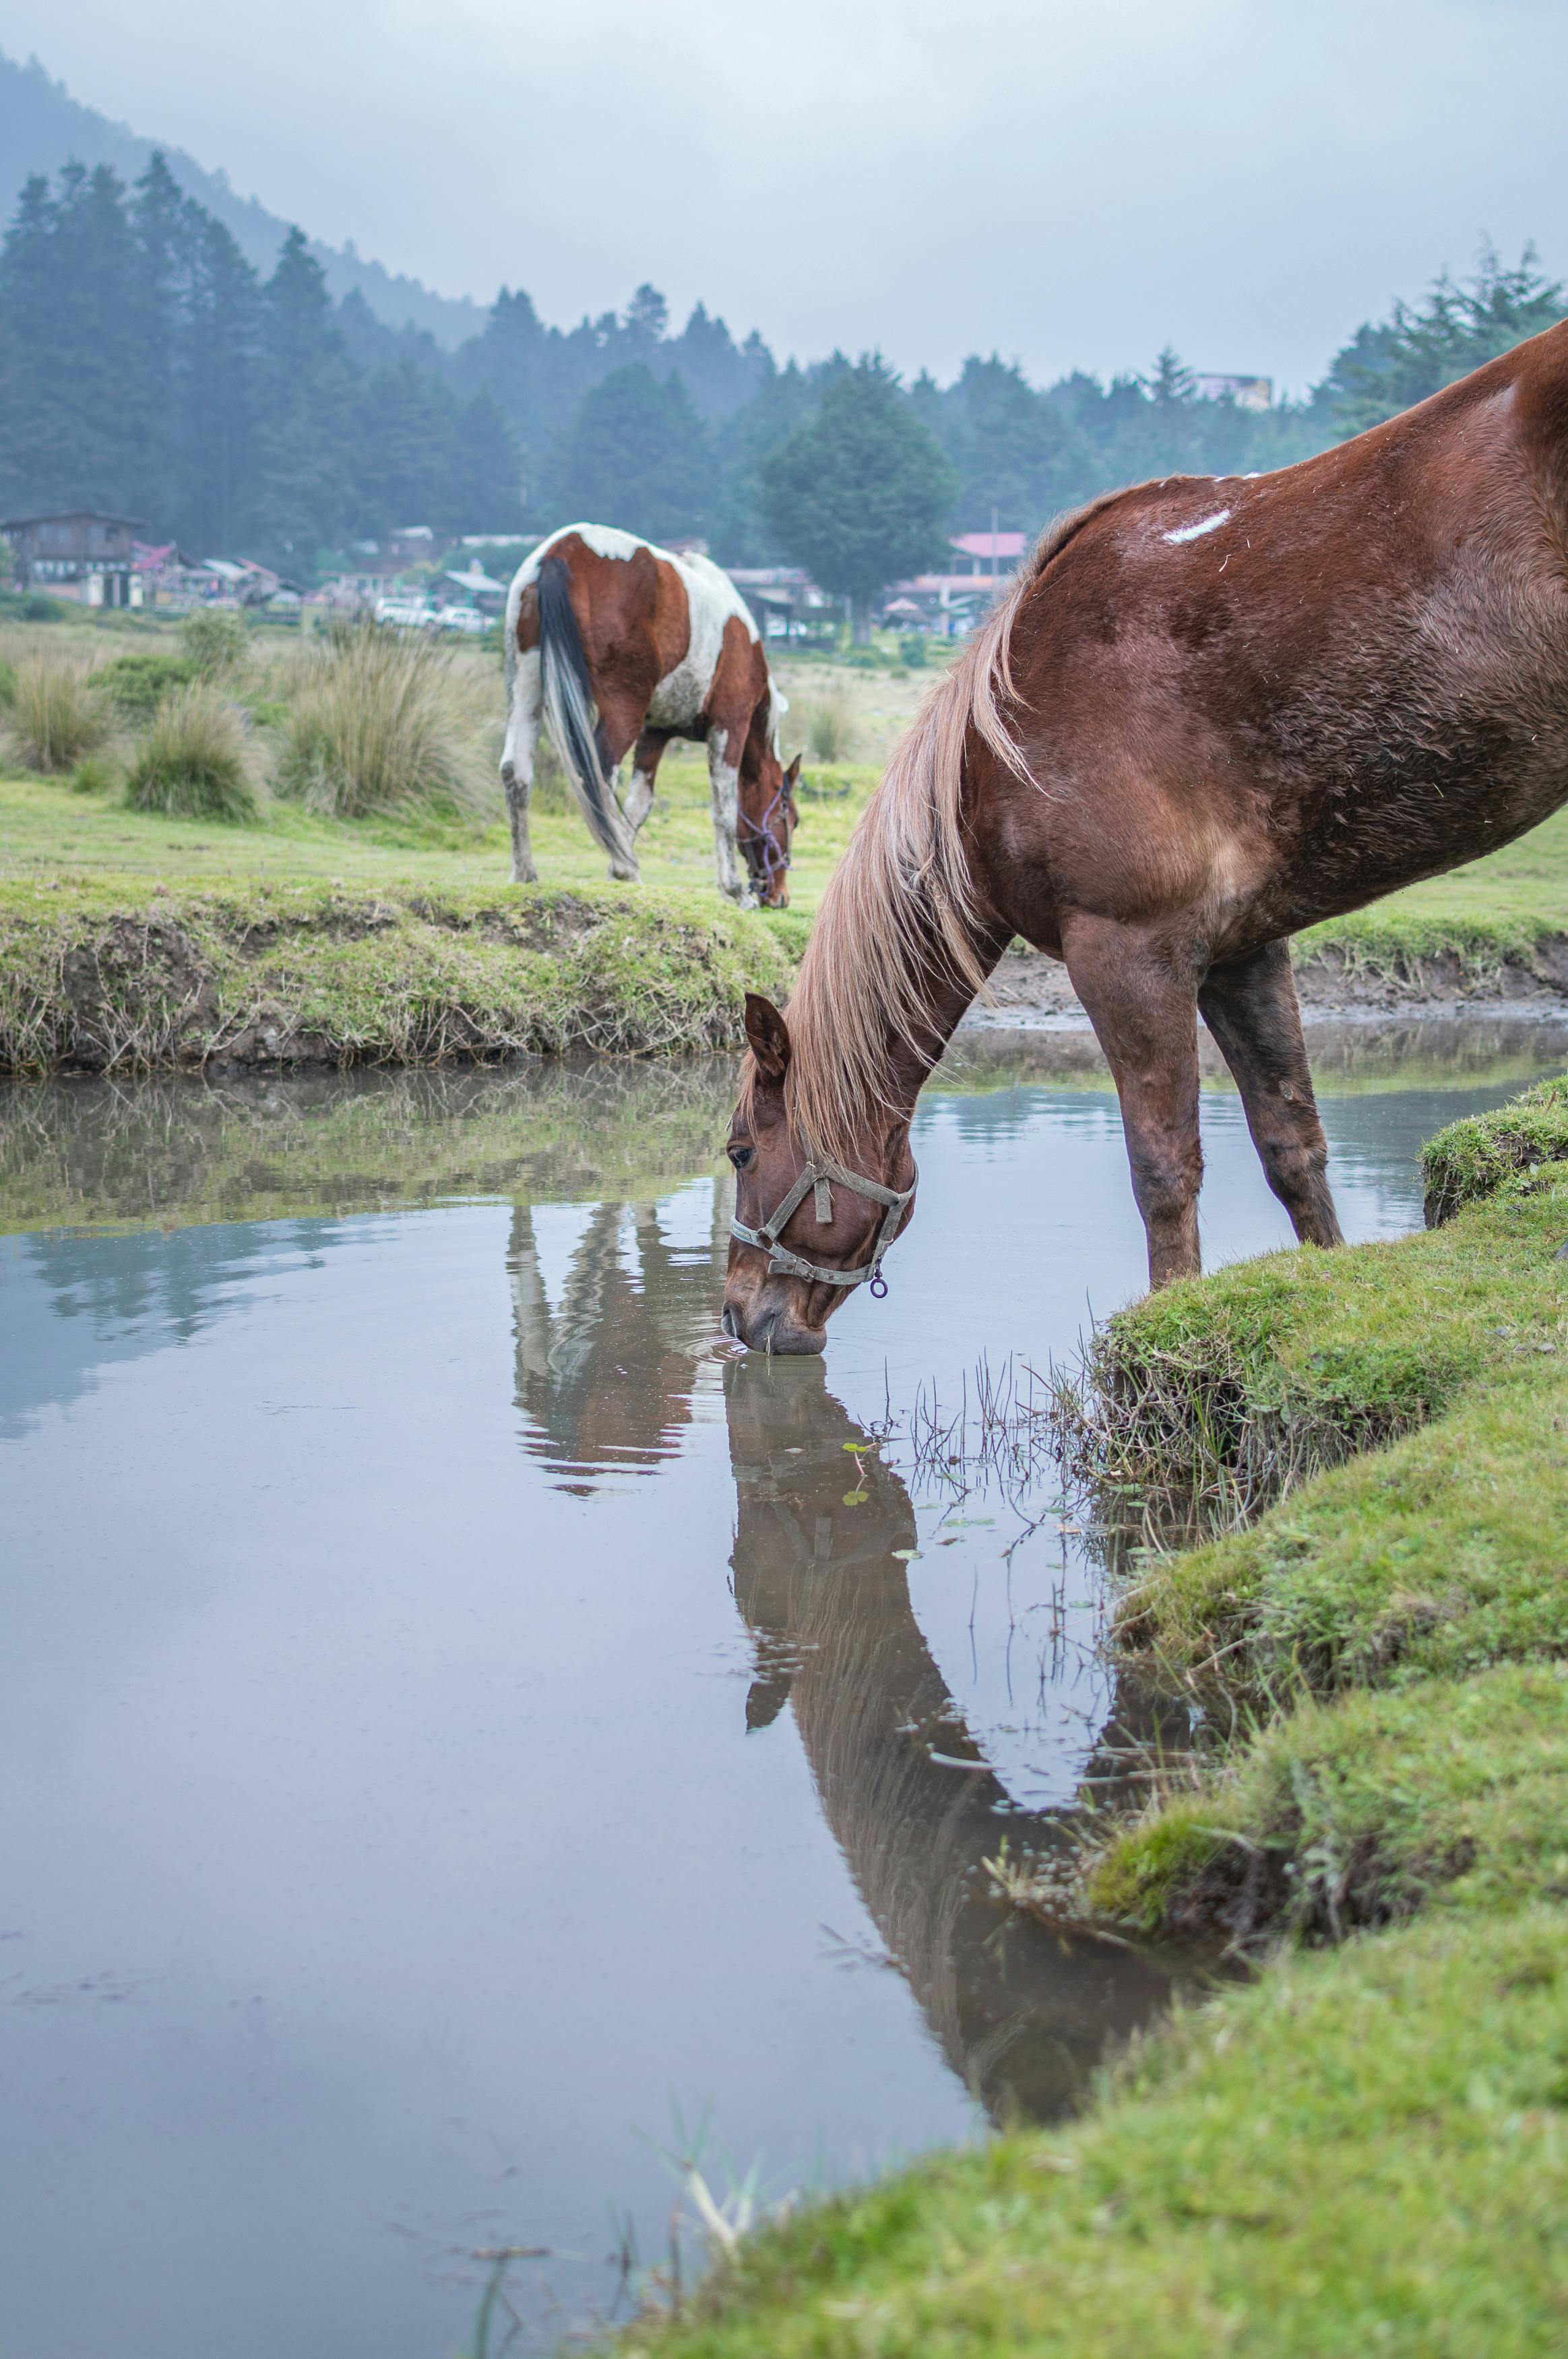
{"x":808,"y":1227}
{"x":767,"y":818}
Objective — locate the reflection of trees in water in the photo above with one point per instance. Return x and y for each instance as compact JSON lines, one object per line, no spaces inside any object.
{"x":1020,"y":2014}
{"x":606,"y":1379}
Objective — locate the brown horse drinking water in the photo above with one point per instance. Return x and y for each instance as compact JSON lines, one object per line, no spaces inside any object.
{"x":662,"y":646}
{"x":1211,"y":713}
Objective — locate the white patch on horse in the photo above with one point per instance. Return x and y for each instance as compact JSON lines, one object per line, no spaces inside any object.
{"x":604,"y":540}
{"x":1196,"y":531}
{"x":711,"y":600}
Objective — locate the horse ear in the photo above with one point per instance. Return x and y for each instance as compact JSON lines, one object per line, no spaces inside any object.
{"x":792,"y":775}
{"x":768,"y":1035}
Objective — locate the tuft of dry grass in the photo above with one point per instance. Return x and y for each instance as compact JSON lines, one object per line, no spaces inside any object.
{"x":376,"y":725}
{"x":827,"y":727}
{"x":53,"y":717}
{"x":194,"y":761}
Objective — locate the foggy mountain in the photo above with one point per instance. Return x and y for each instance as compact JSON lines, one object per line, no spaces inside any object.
{"x":42,"y":126}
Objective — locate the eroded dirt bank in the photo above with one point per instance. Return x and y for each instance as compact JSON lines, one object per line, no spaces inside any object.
{"x":1334,"y":980}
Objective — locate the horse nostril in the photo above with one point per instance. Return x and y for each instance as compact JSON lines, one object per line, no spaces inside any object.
{"x":728,"y":1324}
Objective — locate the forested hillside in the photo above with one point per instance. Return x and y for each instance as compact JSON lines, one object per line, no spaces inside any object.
{"x":42,"y":127}
{"x":149,"y":366}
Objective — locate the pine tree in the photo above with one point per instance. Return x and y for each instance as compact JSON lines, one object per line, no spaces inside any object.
{"x":487,"y":471}
{"x":26,"y":309}
{"x":637,"y":456}
{"x":305,"y":440}
{"x":860,"y":494}
{"x":220,"y":474}
{"x":1387,"y":368}
{"x":405,"y":447}
{"x":1018,"y":456}
{"x":163,"y":229}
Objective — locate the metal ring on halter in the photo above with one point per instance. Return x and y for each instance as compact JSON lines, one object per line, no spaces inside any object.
{"x":822,"y":1175}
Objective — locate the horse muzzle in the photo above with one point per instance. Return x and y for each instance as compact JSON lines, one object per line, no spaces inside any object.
{"x":768,"y":1321}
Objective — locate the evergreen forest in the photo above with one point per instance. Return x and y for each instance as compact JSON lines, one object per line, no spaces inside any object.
{"x":147,"y":367}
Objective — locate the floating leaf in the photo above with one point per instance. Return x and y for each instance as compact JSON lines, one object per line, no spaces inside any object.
{"x":856,"y":1498}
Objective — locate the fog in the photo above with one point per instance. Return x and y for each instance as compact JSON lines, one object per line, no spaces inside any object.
{"x":1070,"y":182}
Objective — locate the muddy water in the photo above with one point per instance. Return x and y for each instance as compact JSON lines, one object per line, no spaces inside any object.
{"x":464,"y":1741}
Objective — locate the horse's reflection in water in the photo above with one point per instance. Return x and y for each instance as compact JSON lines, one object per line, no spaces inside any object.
{"x":1021,"y":2014}
{"x":605,"y":1380}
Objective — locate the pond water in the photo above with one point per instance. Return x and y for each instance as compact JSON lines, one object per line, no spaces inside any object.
{"x":466,"y":1742}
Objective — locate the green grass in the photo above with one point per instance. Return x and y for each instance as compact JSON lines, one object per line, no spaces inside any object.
{"x":1232,"y":1389}
{"x":1474,"y":1158}
{"x":45,"y":832}
{"x":1366,"y":2152}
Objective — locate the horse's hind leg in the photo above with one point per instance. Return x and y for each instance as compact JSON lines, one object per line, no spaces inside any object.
{"x":1252,"y":1011}
{"x":1143,"y":1001}
{"x":518,"y":761}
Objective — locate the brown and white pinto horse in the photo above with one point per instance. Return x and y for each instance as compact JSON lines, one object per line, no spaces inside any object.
{"x":1211,"y":713}
{"x":662,"y":646}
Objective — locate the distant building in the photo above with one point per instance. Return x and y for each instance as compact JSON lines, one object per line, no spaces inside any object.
{"x":416,"y":543}
{"x":1246,"y":391}
{"x":785,"y":603}
{"x":987,"y":553}
{"x":481,"y":590}
{"x":78,"y":553}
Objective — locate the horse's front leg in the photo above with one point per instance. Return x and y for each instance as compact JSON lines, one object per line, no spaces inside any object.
{"x":644,"y":776}
{"x":724,"y":779}
{"x":1142,"y":996}
{"x":523,"y":714}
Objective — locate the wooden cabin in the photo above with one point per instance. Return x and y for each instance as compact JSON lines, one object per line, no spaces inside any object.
{"x":79,"y":553}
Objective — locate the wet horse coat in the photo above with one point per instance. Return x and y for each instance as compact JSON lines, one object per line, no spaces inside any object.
{"x":1210,"y":713}
{"x":661,"y":646}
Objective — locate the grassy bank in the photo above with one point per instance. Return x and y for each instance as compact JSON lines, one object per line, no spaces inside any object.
{"x":100,"y":977}
{"x":1366,"y":2152}
{"x":1367,"y":2149}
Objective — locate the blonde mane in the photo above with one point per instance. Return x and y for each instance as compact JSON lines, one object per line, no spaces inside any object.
{"x":899,"y":910}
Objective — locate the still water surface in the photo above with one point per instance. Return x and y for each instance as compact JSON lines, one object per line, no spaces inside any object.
{"x":458,"y":1742}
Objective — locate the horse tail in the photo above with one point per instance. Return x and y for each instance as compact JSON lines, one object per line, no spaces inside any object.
{"x":568,"y":712}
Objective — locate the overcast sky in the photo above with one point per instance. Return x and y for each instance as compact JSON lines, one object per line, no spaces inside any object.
{"x":1070,"y":182}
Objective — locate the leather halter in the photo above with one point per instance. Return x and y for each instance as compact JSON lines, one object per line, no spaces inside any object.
{"x":821,"y":1173}
{"x":771,"y":857}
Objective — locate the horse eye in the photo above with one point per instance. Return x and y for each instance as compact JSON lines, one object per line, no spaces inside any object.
{"x":740,"y":1156}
